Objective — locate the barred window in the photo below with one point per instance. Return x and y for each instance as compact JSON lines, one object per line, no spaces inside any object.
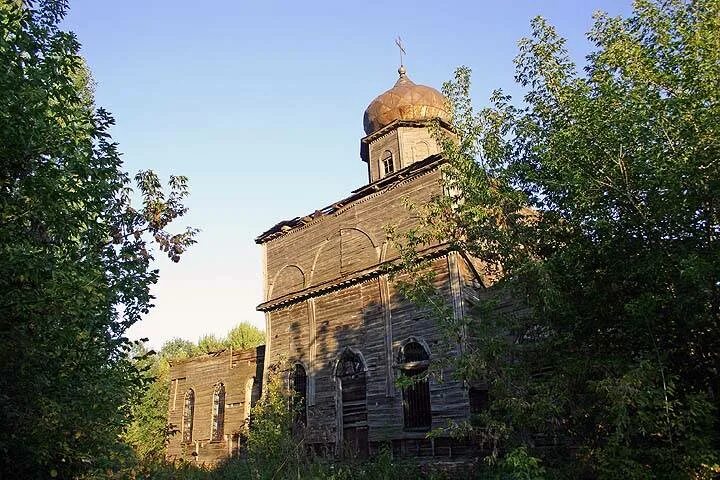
{"x":218,"y":414}
{"x":188,"y":411}
{"x":299,"y":387}
{"x":414,"y":361}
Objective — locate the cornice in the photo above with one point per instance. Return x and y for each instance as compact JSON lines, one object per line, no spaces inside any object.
{"x":347,"y":281}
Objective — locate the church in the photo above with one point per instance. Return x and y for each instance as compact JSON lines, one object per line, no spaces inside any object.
{"x":334,"y":314}
{"x":338,"y":320}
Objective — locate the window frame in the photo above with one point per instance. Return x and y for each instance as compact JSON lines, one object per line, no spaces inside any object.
{"x":217,"y":415}
{"x":387,"y":159}
{"x":188,"y":416}
{"x":299,"y":414}
{"x":416,"y":401}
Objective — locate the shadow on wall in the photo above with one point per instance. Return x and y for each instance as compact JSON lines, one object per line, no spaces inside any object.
{"x":357,"y":406}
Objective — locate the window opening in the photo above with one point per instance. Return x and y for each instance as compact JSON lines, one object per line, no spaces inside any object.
{"x":414,"y":361}
{"x":218,"y":413}
{"x":387,"y":163}
{"x":479,"y":400}
{"x":353,"y":387}
{"x":188,"y":410}
{"x":299,"y":398}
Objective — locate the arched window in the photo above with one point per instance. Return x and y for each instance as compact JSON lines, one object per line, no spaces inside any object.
{"x":218,"y":413}
{"x":414,"y":361}
{"x":352,"y":404}
{"x":386,"y":162}
{"x":299,"y":399}
{"x":188,"y":410}
{"x":350,"y":364}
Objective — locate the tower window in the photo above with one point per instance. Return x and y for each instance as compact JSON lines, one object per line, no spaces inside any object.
{"x":218,"y":413}
{"x":388,"y":166}
{"x":414,"y":361}
{"x":188,"y":410}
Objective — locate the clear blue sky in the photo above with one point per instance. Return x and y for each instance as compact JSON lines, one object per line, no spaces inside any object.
{"x":260,"y":104}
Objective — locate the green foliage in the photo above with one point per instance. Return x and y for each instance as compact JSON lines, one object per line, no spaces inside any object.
{"x":148,"y":432}
{"x":519,"y":465}
{"x":74,"y":260}
{"x":595,"y":203}
{"x":244,"y":336}
{"x":382,"y":467}
{"x":276,"y":450}
{"x":271,"y":445}
{"x":209,"y":343}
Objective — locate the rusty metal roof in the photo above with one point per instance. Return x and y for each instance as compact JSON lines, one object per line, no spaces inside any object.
{"x":405,"y":101}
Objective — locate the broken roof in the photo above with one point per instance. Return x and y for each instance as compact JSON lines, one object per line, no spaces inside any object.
{"x":411,"y":170}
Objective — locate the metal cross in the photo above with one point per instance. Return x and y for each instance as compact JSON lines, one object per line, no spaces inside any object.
{"x":398,"y":42}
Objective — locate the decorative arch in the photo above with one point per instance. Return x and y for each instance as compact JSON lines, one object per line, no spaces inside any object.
{"x":326,"y":265}
{"x":349,"y":353}
{"x":290,"y":278}
{"x":409,"y":340}
{"x":188,"y":414}
{"x":217,"y":422}
{"x":357,"y":250}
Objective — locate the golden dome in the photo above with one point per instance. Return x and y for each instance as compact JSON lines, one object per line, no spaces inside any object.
{"x":405,"y":101}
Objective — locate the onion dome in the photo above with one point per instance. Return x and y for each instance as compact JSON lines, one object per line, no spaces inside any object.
{"x":405,"y":101}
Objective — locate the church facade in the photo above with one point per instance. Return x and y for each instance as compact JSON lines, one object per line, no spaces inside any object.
{"x":334,"y":314}
{"x":338,"y":321}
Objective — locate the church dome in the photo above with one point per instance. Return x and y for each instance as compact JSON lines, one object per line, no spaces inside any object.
{"x":405,"y":101}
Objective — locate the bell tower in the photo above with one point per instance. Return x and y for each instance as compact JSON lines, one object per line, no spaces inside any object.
{"x":396,"y":127}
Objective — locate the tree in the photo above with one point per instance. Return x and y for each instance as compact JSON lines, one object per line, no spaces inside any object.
{"x":75,"y":261}
{"x":148,"y":431}
{"x":596,"y":202}
{"x":244,"y":335}
{"x":210,"y":343}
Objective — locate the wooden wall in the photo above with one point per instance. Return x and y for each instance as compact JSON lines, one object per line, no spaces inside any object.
{"x":360,"y":317}
{"x":364,"y":312}
{"x":369,"y":316}
{"x":408,"y":144}
{"x":352,"y":239}
{"x":241,"y":373}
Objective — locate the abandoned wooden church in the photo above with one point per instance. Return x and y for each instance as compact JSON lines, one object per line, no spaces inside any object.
{"x":333,"y":313}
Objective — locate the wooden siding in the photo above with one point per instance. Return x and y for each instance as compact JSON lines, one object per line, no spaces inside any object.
{"x":350,"y":240}
{"x":234,"y":369}
{"x":355,"y":317}
{"x":369,"y":316}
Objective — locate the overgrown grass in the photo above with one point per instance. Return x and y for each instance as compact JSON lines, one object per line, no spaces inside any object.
{"x":381,"y":467}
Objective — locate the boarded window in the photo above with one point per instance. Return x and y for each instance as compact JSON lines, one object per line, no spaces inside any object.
{"x":218,"y":413}
{"x":414,"y":361}
{"x":299,"y":399}
{"x":353,"y":386}
{"x":188,"y":411}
